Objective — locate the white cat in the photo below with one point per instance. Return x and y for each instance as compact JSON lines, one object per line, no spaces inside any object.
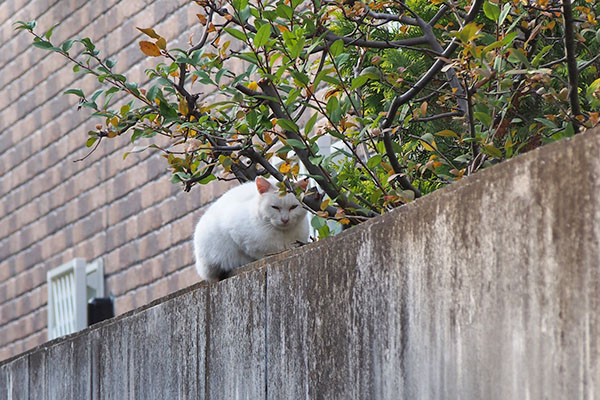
{"x":247,"y":223}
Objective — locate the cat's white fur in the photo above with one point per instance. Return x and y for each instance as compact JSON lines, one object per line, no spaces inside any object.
{"x":247,"y":223}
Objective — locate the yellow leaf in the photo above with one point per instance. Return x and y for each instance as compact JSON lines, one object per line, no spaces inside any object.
{"x":447,"y":132}
{"x":268,"y":138}
{"x":427,"y":146}
{"x":161,"y":43}
{"x":225,"y":46}
{"x":295,"y":170}
{"x":114,"y":121}
{"x":183,"y":107}
{"x":253,"y":85}
{"x":284,"y":168}
{"x":324,"y":204}
{"x":150,"y":32}
{"x":344,"y":221}
{"x":149,"y":49}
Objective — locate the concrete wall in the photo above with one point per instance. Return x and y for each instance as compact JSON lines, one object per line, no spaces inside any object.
{"x":53,"y":209}
{"x":488,"y":289}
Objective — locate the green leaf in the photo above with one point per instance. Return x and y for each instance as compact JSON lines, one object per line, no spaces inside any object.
{"x":490,"y":150}
{"x":371,"y":73}
{"x":505,"y":10}
{"x":207,"y":179}
{"x":87,"y":42}
{"x":589,"y":93}
{"x":569,"y":130}
{"x":77,"y":92}
{"x":43,"y":44}
{"x":287,"y":125}
{"x":547,"y":122}
{"x":25,"y":25}
{"x":262,"y":35}
{"x":508,"y":39}
{"x":66,"y":46}
{"x":334,"y":111}
{"x":517,"y":56}
{"x":467,"y":33}
{"x":298,"y":144}
{"x":96,"y":94}
{"x":299,"y":76}
{"x":359,"y":81}
{"x":250,"y":57}
{"x":49,"y":33}
{"x":321,"y":75}
{"x":90,"y":142}
{"x":491,"y":11}
{"x":310,"y":124}
{"x":484,"y":118}
{"x":336,"y":48}
{"x":297,"y":48}
{"x":374,"y":161}
{"x":284,"y":11}
{"x":236,"y":34}
{"x":168,"y":112}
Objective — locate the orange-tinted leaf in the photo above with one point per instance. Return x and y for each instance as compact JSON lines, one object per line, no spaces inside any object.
{"x":202,"y":18}
{"x":423,"y":109}
{"x":149,"y":49}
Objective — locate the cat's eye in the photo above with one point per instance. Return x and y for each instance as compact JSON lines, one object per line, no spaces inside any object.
{"x":275,"y":207}
{"x":292,"y":207}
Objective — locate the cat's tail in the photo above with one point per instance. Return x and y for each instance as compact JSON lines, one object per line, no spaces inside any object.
{"x":210,"y":272}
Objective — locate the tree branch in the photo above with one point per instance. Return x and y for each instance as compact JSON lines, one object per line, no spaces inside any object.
{"x":571,"y":60}
{"x":303,"y":153}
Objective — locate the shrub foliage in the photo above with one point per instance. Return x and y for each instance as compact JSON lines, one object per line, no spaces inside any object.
{"x":414,"y":94}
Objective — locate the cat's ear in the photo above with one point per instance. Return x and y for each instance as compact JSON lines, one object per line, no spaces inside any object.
{"x":302,"y":184}
{"x":262,"y":185}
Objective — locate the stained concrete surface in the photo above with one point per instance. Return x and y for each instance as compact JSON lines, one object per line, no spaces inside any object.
{"x":488,"y":289}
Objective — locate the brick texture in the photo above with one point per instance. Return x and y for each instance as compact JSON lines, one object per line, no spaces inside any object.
{"x":53,"y":209}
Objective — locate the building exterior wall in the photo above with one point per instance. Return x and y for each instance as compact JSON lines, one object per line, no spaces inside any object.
{"x":53,"y":209}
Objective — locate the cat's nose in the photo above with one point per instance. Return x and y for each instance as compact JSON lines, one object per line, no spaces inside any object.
{"x":285,"y":220}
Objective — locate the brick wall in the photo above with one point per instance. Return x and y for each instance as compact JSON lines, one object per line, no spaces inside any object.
{"x":53,"y":209}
